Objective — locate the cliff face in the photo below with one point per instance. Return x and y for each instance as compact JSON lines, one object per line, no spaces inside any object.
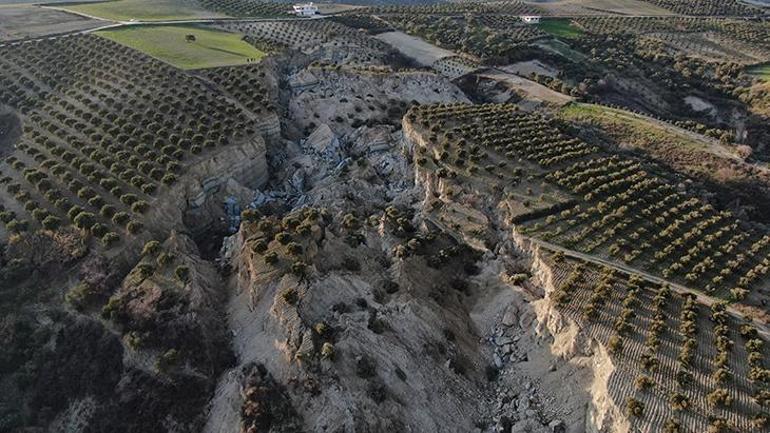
{"x":400,"y":321}
{"x":569,"y":343}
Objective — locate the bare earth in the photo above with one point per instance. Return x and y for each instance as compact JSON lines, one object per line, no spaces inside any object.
{"x":415,"y":48}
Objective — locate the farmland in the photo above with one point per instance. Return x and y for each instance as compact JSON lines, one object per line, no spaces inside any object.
{"x":622,"y":200}
{"x":210,"y":48}
{"x":394,"y":216}
{"x":562,"y":28}
{"x":673,"y":354}
{"x":143,"y":10}
{"x":105,"y":187}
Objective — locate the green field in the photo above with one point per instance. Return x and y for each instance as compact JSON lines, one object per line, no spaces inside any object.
{"x":560,"y":27}
{"x":212,"y":48}
{"x":762,"y":71}
{"x":142,"y":10}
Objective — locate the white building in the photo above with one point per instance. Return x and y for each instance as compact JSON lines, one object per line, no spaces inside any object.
{"x":305,"y":9}
{"x":530,"y":19}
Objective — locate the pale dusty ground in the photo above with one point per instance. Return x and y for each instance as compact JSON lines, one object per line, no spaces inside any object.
{"x":530,"y":89}
{"x":526,"y":68}
{"x":414,"y":48}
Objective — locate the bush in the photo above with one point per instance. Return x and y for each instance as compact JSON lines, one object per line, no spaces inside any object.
{"x":259,"y":246}
{"x":110,"y":239}
{"x":717,"y":425}
{"x":80,"y":295}
{"x":99,"y":230}
{"x":84,"y":220}
{"x":298,"y":268}
{"x":165,"y":259}
{"x":672,"y":425}
{"x":283,"y":238}
{"x":182,"y":274}
{"x":140,"y":207}
{"x":327,"y":351}
{"x":643,"y":383}
{"x":51,"y":222}
{"x":151,"y":248}
{"x":679,"y":401}
{"x":634,"y":407}
{"x":719,"y":398}
{"x":167,"y":360}
{"x":121,"y":218}
{"x":271,"y":258}
{"x":290,"y":296}
{"x":134,"y":227}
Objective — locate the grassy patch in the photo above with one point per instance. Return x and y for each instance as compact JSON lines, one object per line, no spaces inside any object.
{"x":761,"y":71}
{"x":560,"y":27}
{"x":142,"y":10}
{"x":211,"y":48}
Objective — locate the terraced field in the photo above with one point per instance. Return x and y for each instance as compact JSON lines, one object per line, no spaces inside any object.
{"x":678,"y":363}
{"x":623,"y":209}
{"x":107,"y":133}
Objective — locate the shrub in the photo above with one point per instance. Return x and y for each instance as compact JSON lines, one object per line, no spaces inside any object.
{"x":643,"y":383}
{"x":151,"y":248}
{"x":271,"y":258}
{"x":719,"y":398}
{"x":80,"y":295}
{"x":121,"y":218}
{"x":167,"y":360}
{"x":298,"y":268}
{"x":678,"y":401}
{"x":615,"y":344}
{"x":250,"y":215}
{"x":110,"y":239}
{"x":283,"y":238}
{"x":327,"y":351}
{"x":165,"y":259}
{"x":84,"y":220}
{"x":634,"y":407}
{"x":51,"y":222}
{"x":290,"y":296}
{"x":717,"y":425}
{"x":182,"y":274}
{"x":134,"y":227}
{"x":259,"y":246}
{"x":99,"y":230}
{"x":294,"y":249}
{"x":672,"y":425}
{"x":140,"y":206}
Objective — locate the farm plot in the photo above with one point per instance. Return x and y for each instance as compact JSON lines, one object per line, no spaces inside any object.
{"x":708,"y":7}
{"x":143,"y":10}
{"x":457,"y":8}
{"x":107,"y":132}
{"x":716,"y":38}
{"x":679,"y":365}
{"x":171,"y":44}
{"x":625,"y":210}
{"x":492,"y":39}
{"x":314,"y":35}
{"x":26,"y":21}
